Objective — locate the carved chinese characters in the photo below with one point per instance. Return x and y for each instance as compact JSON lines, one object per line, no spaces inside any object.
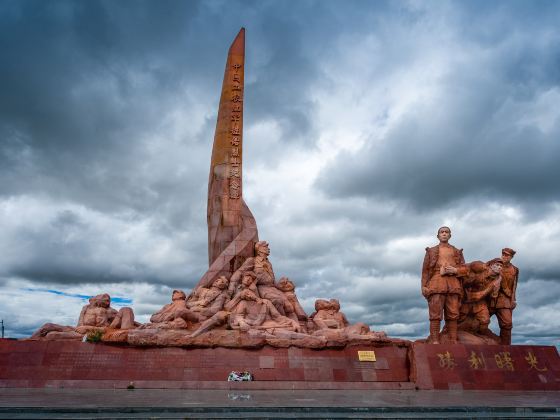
{"x":483,"y":360}
{"x":236,"y":131}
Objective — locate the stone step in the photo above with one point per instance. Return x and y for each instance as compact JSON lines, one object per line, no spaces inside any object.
{"x":279,"y":412}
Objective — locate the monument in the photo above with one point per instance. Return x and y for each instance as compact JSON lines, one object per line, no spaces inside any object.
{"x":232,"y":230}
{"x":440,"y":287}
{"x":239,"y":317}
{"x":238,"y":302}
{"x":468,"y":294}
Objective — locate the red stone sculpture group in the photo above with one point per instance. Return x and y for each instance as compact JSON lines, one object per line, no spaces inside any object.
{"x":250,"y":309}
{"x":239,"y":303}
{"x":467,"y":295}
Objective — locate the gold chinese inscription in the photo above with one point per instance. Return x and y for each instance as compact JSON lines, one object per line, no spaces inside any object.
{"x":477,"y":361}
{"x":366,"y":356}
{"x":446,"y":360}
{"x":234,"y":188}
{"x":504,"y":360}
{"x":236,"y":117}
{"x":234,"y":172}
{"x":533,"y":362}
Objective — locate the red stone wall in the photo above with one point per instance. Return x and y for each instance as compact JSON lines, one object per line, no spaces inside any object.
{"x":440,"y":366}
{"x":52,"y":363}
{"x":75,"y":364}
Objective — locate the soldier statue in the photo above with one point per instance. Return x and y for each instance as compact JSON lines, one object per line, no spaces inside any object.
{"x":440,"y":285}
{"x":505,"y":303}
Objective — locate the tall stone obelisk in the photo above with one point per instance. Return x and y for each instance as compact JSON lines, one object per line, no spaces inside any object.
{"x":232,"y":230}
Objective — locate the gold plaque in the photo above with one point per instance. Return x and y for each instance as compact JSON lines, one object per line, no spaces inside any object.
{"x":366,"y":356}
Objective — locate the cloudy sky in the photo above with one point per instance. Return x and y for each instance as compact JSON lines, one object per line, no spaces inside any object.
{"x":367,"y":126}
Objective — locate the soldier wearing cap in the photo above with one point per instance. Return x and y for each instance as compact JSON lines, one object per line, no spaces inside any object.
{"x":505,"y":302}
{"x":440,"y":285}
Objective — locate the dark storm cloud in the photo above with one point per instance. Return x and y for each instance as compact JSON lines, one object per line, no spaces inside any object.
{"x":82,"y":83}
{"x":434,"y":166}
{"x":86,"y":84}
{"x":277,"y":90}
{"x":489,"y":131}
{"x":87,"y":90}
{"x":69,"y":250}
{"x":293,"y":38}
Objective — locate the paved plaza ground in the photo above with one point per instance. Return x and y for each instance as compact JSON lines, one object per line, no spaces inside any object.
{"x":142,"y":403}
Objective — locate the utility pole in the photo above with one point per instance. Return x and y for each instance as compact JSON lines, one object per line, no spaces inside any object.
{"x":2,"y":328}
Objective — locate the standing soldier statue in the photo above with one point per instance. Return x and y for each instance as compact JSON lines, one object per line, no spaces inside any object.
{"x":505,"y":303}
{"x":440,"y":285}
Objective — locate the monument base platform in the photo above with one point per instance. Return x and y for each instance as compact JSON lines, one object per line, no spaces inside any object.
{"x":70,"y":364}
{"x":485,"y":367}
{"x":39,"y":364}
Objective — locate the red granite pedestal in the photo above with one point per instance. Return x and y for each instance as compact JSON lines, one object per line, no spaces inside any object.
{"x":39,"y":364}
{"x":485,"y":367}
{"x":65,"y":364}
